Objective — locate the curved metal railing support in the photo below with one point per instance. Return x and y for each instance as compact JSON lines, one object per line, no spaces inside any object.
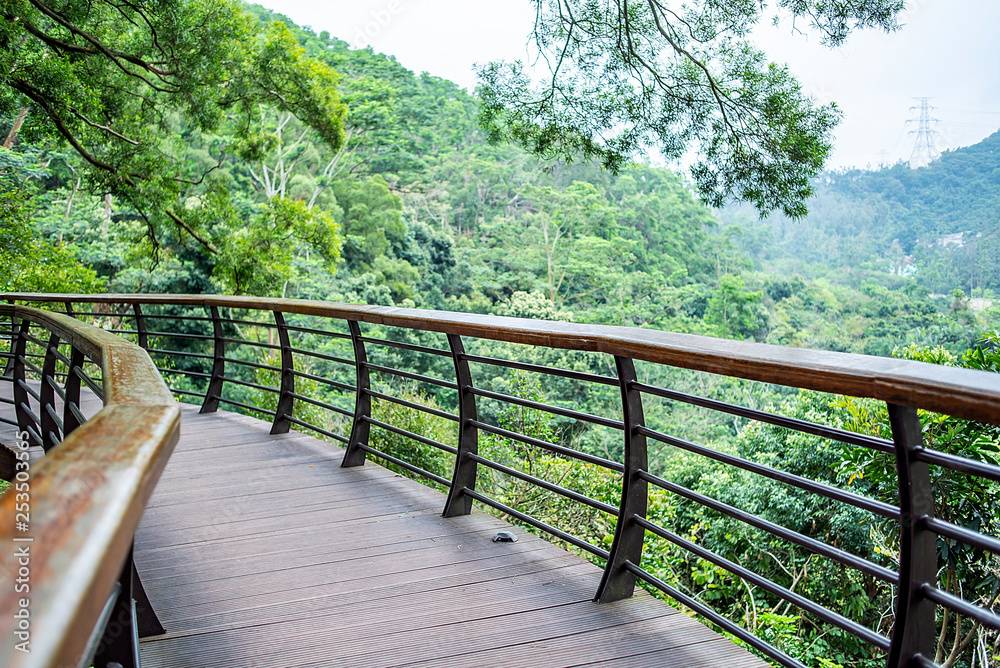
{"x":618,"y":582}
{"x":87,"y":496}
{"x":464,"y":476}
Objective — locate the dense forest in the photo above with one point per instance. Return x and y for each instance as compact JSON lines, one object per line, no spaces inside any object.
{"x":413,"y":206}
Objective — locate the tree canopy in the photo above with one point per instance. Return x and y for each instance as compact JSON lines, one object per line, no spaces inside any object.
{"x":128,"y":84}
{"x":626,"y":75}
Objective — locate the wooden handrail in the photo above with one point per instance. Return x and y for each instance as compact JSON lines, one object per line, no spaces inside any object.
{"x":87,"y":497}
{"x":965,"y":393}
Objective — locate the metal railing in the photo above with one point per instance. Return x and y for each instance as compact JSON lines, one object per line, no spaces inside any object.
{"x":252,"y":354}
{"x":79,"y":486}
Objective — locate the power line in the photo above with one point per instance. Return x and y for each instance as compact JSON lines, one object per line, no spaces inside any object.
{"x":925,"y":149}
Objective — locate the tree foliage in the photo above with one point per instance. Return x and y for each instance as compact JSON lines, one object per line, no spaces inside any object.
{"x":626,"y":75}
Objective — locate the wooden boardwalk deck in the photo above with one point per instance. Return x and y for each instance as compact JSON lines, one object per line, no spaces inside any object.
{"x":259,"y":551}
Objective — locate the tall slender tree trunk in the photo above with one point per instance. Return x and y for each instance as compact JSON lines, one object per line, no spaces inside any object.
{"x":16,"y":128}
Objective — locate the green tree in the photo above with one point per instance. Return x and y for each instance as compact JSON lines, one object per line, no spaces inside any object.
{"x":625,"y":75}
{"x":126,"y":85}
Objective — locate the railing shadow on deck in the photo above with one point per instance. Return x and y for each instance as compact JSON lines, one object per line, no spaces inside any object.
{"x":323,"y":367}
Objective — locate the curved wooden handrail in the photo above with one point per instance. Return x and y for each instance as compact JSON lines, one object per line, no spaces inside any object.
{"x":964,"y":393}
{"x":87,"y":496}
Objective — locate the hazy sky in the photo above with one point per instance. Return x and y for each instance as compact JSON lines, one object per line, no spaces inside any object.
{"x":948,"y":50}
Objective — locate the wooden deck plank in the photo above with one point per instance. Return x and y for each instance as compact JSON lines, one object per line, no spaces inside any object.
{"x":259,"y":551}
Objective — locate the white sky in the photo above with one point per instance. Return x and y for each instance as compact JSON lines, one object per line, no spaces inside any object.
{"x":947,"y":50}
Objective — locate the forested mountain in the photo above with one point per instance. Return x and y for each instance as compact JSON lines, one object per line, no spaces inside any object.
{"x":405,"y":202}
{"x":939,"y":224}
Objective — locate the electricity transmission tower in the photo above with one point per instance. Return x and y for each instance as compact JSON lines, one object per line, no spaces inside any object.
{"x":925,"y":149}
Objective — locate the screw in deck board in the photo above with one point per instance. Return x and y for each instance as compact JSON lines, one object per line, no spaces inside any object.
{"x":464,"y":476}
{"x":214,"y":391}
{"x":361,"y":428}
{"x":286,"y":402}
{"x":618,"y":582}
{"x":915,"y":627}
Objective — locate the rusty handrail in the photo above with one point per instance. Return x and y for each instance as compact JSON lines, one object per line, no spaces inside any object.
{"x":87,"y":497}
{"x":964,"y":393}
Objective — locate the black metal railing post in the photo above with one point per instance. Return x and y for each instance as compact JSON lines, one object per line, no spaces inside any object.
{"x":140,"y":326}
{"x":8,"y":368}
{"x":72,"y":419}
{"x":286,"y":399}
{"x":618,"y":581}
{"x":915,"y":627}
{"x":69,"y":308}
{"x":214,"y":391}
{"x":51,"y":429}
{"x":361,"y":428}
{"x":464,"y":475}
{"x":131,"y":617}
{"x":27,"y":422}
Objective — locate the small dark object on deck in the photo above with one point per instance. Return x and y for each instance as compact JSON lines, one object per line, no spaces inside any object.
{"x":505,"y":537}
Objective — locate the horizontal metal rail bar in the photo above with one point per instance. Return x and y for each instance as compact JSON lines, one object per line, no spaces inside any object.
{"x":320,"y":332}
{"x":808,"y":605}
{"x":185,"y":372}
{"x":961,"y":606}
{"x":801,"y":602}
{"x":182,"y":335}
{"x":562,"y":450}
{"x":200,"y":395}
{"x":407,"y":346}
{"x":412,"y":376}
{"x":179,"y":353}
{"x":254,"y":365}
{"x":5,"y":400}
{"x":27,"y":409}
{"x":256,"y":386}
{"x":122,"y":331}
{"x":30,"y":365}
{"x":243,"y":405}
{"x":59,"y":356}
{"x":409,"y":434}
{"x":99,"y":391}
{"x":322,"y":356}
{"x":246,"y":342}
{"x":248,"y":323}
{"x":74,"y":408}
{"x":34,"y":434}
{"x":956,"y":463}
{"x":406,"y":465}
{"x":842,"y":435}
{"x":830,"y":492}
{"x":711,"y":615}
{"x":320,"y":430}
{"x":409,"y":404}
{"x":30,"y":390}
{"x":56,"y":388}
{"x":329,"y":381}
{"x":322,"y":404}
{"x":538,"y":368}
{"x":566,"y":412}
{"x":811,"y":544}
{"x":545,"y":484}
{"x":538,"y":524}
{"x":50,"y":409}
{"x":7,"y":421}
{"x":961,"y":534}
{"x":160,"y":316}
